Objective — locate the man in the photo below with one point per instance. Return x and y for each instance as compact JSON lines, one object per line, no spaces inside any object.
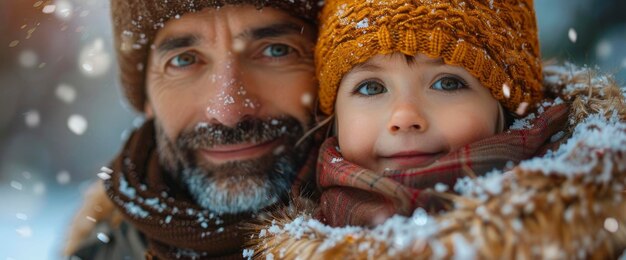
{"x":227,"y":88}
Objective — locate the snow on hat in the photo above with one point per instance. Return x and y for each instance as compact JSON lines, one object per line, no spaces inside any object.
{"x":136,"y":22}
{"x":496,"y":41}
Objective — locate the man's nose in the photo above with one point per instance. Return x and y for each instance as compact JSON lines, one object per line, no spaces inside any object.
{"x":406,"y":117}
{"x":231,"y":99}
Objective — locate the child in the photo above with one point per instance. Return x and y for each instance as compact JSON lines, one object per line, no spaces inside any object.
{"x":420,"y":91}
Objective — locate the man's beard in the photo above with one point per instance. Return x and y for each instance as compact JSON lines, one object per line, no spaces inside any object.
{"x":236,"y":186}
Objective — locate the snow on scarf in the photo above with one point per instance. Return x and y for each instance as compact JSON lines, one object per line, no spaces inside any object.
{"x":569,"y":203}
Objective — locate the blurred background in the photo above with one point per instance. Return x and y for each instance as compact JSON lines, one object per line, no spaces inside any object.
{"x":63,"y":115}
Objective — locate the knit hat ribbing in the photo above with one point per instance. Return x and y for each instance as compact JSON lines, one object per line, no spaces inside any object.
{"x":496,"y":41}
{"x":136,"y":22}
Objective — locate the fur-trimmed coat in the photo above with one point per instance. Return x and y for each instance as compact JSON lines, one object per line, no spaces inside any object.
{"x":567,"y":204}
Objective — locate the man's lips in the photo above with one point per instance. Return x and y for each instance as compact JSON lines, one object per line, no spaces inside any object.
{"x":412,"y":159}
{"x":236,"y":152}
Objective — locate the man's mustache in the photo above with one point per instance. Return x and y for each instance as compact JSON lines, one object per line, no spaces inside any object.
{"x":249,"y":130}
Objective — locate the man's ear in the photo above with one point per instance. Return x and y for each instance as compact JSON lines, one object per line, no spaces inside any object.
{"x":147,"y":110}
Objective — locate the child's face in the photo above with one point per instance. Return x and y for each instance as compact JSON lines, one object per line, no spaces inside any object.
{"x":394,"y":114}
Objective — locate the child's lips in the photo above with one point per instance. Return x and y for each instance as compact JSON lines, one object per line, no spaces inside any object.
{"x":413,"y":159}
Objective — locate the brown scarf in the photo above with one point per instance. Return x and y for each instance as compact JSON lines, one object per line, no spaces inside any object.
{"x":352,"y":195}
{"x":175,"y":227}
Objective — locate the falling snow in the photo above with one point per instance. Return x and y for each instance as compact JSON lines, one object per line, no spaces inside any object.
{"x":94,"y":60}
{"x":16,"y":185}
{"x":103,"y":238}
{"x":24,"y":231}
{"x":32,"y":118}
{"x":77,"y":124}
{"x":572,"y":35}
{"x":65,"y":93}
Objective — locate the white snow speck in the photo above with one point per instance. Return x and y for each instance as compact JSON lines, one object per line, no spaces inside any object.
{"x":77,"y":124}
{"x":103,"y":175}
{"x":440,"y":187}
{"x":48,"y":9}
{"x":522,"y":123}
{"x":103,"y":238}
{"x":63,"y":10}
{"x":611,"y":225}
{"x":248,"y":253}
{"x":93,"y":59}
{"x":16,"y":185}
{"x":521,"y":109}
{"x":63,"y":177}
{"x":21,"y":216}
{"x":280,"y":149}
{"x":106,"y":170}
{"x":24,"y":231}
{"x":307,"y":98}
{"x":506,"y":90}
{"x":239,"y":45}
{"x":363,"y":23}
{"x":336,"y":160}
{"x":39,"y":188}
{"x":572,"y":35}
{"x":32,"y":118}
{"x":604,"y":49}
{"x":65,"y":93}
{"x":28,"y":59}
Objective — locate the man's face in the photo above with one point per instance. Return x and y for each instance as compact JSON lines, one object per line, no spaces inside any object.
{"x":230,"y":90}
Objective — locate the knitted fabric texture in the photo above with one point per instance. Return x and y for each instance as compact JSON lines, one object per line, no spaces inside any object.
{"x":496,"y":41}
{"x":136,"y":22}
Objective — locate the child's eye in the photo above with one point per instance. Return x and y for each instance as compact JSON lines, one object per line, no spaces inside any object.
{"x":277,"y":50}
{"x":449,"y":84}
{"x":371,"y":88}
{"x":183,"y":60}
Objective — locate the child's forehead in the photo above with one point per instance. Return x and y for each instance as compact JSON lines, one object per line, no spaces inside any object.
{"x":379,"y":61}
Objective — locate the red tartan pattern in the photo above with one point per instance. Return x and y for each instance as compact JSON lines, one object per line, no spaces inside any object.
{"x":352,"y":195}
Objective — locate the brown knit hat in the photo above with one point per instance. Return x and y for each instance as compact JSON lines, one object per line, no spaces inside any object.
{"x":496,"y":41}
{"x":136,"y":22}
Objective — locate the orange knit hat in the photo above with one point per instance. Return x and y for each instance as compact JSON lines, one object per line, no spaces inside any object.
{"x":496,"y":41}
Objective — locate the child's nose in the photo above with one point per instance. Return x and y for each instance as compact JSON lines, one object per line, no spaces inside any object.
{"x":406,"y":118}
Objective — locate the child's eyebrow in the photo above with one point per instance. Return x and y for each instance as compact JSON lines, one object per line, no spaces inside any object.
{"x":366,"y":67}
{"x":437,"y":61}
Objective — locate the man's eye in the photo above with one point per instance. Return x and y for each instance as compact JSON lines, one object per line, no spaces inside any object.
{"x":277,"y":50}
{"x":449,"y":84}
{"x":371,"y":88}
{"x":183,"y":60}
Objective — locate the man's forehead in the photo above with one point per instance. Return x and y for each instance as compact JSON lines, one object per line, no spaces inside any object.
{"x":241,"y":22}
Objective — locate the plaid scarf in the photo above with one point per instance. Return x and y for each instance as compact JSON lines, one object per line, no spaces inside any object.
{"x":174,"y":225}
{"x":352,"y":195}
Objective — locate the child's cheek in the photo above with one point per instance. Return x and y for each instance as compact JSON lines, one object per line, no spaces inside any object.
{"x":471,"y":127}
{"x":356,"y":136}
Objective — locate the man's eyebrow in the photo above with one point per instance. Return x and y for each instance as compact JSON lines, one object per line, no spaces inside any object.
{"x":177,"y":42}
{"x":272,"y":30}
